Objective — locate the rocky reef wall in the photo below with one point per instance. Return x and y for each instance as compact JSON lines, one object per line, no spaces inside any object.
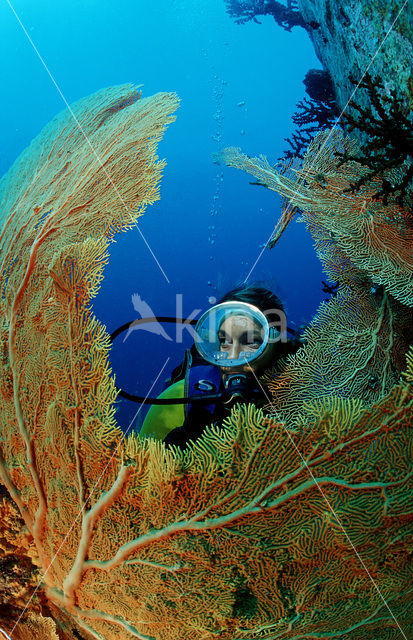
{"x":352,"y":36}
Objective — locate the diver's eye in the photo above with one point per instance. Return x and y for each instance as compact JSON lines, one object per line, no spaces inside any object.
{"x":224,"y":343}
{"x":254,"y":344}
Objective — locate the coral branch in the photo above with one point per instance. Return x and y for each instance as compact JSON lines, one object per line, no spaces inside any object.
{"x":256,"y":506}
{"x":89,"y":519}
{"x":15,"y":494}
{"x":116,"y":620}
{"x":156,"y":565}
{"x":287,"y":16}
{"x":93,"y":614}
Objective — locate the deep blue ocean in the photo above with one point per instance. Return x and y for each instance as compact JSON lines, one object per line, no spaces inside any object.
{"x":238,"y":86}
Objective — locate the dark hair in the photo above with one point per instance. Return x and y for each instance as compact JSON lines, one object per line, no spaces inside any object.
{"x":260,"y":297}
{"x":265,"y":300}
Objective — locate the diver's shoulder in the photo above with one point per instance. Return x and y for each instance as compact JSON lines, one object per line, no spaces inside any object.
{"x":175,"y":390}
{"x":161,"y":419}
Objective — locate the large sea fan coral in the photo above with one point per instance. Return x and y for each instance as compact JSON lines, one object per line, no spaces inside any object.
{"x":289,"y":526}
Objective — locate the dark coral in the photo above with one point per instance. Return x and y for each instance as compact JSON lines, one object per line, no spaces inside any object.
{"x":330,"y":289}
{"x":386,"y":128}
{"x":314,"y":114}
{"x":319,"y":85}
{"x":286,"y":16}
{"x":299,"y":141}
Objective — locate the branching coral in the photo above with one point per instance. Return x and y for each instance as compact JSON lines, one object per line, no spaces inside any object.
{"x":356,"y":344}
{"x":285,"y":15}
{"x":386,"y":127}
{"x":371,"y":332}
{"x":83,"y":179}
{"x":249,"y":534}
{"x":312,"y":115}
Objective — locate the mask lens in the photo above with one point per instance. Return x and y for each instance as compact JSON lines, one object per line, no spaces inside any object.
{"x":231,"y":334}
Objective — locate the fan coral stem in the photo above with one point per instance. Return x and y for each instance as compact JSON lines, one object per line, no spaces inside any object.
{"x":93,"y":614}
{"x":15,"y":493}
{"x":252,"y":508}
{"x":38,"y":526}
{"x":74,"y":577}
{"x":371,"y":619}
{"x":77,"y":408}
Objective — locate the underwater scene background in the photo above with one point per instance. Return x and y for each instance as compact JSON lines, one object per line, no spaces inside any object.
{"x":238,"y":85}
{"x":287,"y":521}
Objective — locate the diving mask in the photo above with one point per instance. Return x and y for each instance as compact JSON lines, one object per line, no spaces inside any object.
{"x":232,"y":334}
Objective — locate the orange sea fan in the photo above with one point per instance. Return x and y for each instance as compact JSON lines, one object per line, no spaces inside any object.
{"x":354,"y":348}
{"x":249,"y":534}
{"x":90,"y":173}
{"x":351,"y":230}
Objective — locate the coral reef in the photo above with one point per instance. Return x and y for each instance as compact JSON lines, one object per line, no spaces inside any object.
{"x":286,"y":15}
{"x":351,"y":37}
{"x":355,"y":347}
{"x":313,"y":114}
{"x":279,"y":526}
{"x":387,"y":150}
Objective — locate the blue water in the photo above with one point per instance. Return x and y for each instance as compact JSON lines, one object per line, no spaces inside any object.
{"x":238,"y":85}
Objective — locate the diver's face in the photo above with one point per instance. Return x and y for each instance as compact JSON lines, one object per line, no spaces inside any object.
{"x":236,"y":334}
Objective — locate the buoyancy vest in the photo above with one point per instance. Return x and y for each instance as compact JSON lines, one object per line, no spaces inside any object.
{"x":201,"y":378}
{"x":193,"y":377}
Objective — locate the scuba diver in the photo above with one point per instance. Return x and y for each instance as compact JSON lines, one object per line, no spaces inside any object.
{"x":235,"y":340}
